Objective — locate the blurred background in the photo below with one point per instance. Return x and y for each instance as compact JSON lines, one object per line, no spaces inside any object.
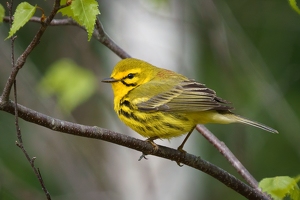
{"x":247,"y":51}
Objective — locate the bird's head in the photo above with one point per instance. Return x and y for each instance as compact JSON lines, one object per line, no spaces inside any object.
{"x":128,"y":74}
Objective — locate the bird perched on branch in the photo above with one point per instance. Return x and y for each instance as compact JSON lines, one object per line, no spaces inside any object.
{"x":159,"y":103}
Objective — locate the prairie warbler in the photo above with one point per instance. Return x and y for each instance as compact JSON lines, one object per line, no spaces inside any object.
{"x":159,"y":103}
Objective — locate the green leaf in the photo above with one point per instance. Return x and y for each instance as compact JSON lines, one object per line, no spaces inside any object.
{"x":68,"y":11}
{"x":2,"y":13}
{"x":293,"y":3}
{"x":70,"y":83}
{"x":86,"y":11}
{"x":295,"y":194}
{"x":281,"y":186}
{"x":22,"y":15}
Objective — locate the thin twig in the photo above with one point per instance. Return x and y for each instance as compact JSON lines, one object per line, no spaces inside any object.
{"x":21,"y":146}
{"x":12,"y":39}
{"x":133,"y":143}
{"x":54,"y":22}
{"x":223,"y":149}
{"x":102,"y":37}
{"x":63,"y":6}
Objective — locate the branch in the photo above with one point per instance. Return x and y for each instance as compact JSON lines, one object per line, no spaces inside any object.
{"x":105,"y":39}
{"x":99,"y":33}
{"x":21,"y":146}
{"x":22,"y":59}
{"x":132,"y":143}
{"x":224,"y":150}
{"x":54,"y":22}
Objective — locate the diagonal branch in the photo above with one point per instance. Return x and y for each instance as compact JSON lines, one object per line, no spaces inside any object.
{"x":133,"y":143}
{"x":225,"y":151}
{"x":22,"y":59}
{"x":99,"y":33}
{"x":228,"y":155}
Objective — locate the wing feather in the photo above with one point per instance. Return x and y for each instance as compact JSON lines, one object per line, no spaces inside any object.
{"x":187,"y":96}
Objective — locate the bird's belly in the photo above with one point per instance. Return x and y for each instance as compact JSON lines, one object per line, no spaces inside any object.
{"x":157,"y":124}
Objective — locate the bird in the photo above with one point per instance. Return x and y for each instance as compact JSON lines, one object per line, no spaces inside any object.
{"x":161,"y":104}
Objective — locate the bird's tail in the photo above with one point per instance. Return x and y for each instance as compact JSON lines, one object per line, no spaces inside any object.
{"x":244,"y":120}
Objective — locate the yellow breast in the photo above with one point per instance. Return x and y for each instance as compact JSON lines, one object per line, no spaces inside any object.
{"x":156,"y":124}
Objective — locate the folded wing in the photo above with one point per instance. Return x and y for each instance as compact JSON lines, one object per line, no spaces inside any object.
{"x":188,"y":96}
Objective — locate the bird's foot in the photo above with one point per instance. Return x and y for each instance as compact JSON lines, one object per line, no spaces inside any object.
{"x":151,"y":141}
{"x":182,"y":151}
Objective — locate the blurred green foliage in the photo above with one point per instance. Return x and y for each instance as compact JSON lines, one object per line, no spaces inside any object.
{"x":293,"y":3}
{"x":71,"y":84}
{"x":2,"y":14}
{"x":280,"y":187}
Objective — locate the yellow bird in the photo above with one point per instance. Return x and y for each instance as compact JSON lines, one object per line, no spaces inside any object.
{"x":159,"y":103}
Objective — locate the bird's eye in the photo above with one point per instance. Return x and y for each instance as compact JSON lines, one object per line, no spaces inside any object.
{"x":130,"y":76}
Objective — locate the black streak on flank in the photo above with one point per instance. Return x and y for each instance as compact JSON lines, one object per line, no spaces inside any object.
{"x":131,"y":116}
{"x":173,"y":126}
{"x":149,"y":128}
{"x":157,"y":128}
{"x":180,"y":117}
{"x":141,"y":128}
{"x":125,"y":114}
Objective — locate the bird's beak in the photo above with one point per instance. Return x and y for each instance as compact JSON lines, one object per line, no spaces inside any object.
{"x":109,"y":80}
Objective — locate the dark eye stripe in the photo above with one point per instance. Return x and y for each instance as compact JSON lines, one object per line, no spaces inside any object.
{"x":129,"y":76}
{"x":128,"y":84}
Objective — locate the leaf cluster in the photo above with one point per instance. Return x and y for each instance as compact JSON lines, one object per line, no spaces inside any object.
{"x":83,"y":12}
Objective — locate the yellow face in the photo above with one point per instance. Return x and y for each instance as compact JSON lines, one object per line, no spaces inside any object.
{"x":129,"y":74}
{"x":127,"y":81}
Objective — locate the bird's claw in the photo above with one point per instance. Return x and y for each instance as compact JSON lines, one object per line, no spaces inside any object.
{"x":182,"y":151}
{"x":150,"y":140}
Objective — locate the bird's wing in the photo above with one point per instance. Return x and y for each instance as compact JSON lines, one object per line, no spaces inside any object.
{"x":187,"y":96}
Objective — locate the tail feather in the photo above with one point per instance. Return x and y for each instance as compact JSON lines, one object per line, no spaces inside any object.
{"x":243,"y":120}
